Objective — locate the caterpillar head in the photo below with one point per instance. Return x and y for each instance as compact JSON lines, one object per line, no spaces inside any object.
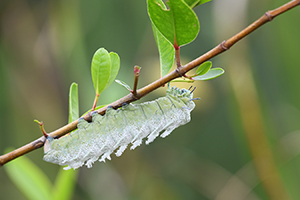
{"x":183,"y":94}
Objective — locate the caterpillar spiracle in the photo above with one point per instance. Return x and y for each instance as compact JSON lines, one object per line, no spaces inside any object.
{"x":118,"y":128}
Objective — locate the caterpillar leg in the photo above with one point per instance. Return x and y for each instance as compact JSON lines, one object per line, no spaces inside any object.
{"x":105,"y":155}
{"x":136,"y":144}
{"x":152,"y":137}
{"x":121,"y":150}
{"x":67,"y":168}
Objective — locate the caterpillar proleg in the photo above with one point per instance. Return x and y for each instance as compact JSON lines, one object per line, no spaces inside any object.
{"x":118,"y":128}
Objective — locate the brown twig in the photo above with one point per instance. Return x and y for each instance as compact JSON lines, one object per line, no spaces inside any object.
{"x":225,"y":45}
{"x":177,"y":55}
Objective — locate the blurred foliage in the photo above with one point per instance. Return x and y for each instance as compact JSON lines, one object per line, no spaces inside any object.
{"x":32,"y":181}
{"x":29,"y":178}
{"x":46,"y":45}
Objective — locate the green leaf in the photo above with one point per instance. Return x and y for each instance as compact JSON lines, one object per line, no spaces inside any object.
{"x":29,"y":178}
{"x":179,"y":24}
{"x":115,"y":66}
{"x":204,"y":68}
{"x":166,"y":52}
{"x":124,"y":85}
{"x":180,"y":80}
{"x":211,"y":74}
{"x":194,"y":3}
{"x":101,"y":70}
{"x":64,"y":184}
{"x":165,"y":48}
{"x":98,"y":107}
{"x":66,"y":180}
{"x":73,"y":103}
{"x":202,"y":2}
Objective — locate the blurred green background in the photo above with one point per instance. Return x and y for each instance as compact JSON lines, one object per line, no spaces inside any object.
{"x":253,"y":110}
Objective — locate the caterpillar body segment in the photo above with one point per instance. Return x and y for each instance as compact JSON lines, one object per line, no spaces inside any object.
{"x":117,"y":129}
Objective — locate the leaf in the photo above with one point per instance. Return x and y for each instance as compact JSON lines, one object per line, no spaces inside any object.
{"x":98,"y":107}
{"x":115,"y":66}
{"x":29,"y":178}
{"x":180,"y":80}
{"x":65,"y":183}
{"x":211,"y":74}
{"x":66,"y":180}
{"x":204,"y":68}
{"x":179,"y":24}
{"x":202,"y":2}
{"x":124,"y":85}
{"x":73,"y":103}
{"x":165,"y":49}
{"x":166,"y":52}
{"x":101,"y":70}
{"x":194,"y":3}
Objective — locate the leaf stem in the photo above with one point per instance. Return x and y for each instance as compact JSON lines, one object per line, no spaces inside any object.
{"x":95,"y":102}
{"x":177,"y":55}
{"x":136,"y":79}
{"x":268,"y":16}
{"x":41,"y":124}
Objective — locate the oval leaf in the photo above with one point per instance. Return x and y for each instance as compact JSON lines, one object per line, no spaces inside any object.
{"x":115,"y":66}
{"x":179,"y":24}
{"x":211,"y":74}
{"x":204,"y":68}
{"x":101,"y":70}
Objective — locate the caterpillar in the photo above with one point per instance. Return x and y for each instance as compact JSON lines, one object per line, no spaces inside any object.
{"x":118,"y":128}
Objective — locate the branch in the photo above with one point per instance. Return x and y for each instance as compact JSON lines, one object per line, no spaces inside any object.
{"x":225,"y":45}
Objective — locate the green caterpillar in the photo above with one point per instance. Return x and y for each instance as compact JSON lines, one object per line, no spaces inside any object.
{"x":118,"y":128}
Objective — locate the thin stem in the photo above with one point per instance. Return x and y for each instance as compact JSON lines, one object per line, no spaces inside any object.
{"x":42,"y":128}
{"x":95,"y":102}
{"x":268,"y":16}
{"x":177,"y":55}
{"x":136,"y":80}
